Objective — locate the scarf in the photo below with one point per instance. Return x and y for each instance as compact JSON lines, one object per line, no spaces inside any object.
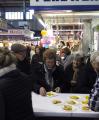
{"x":49,"y":76}
{"x":8,"y":69}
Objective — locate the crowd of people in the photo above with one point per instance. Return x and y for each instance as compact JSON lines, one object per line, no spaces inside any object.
{"x":20,"y":74}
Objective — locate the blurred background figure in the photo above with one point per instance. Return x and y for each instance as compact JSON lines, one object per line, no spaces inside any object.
{"x":15,"y":90}
{"x":89,"y":74}
{"x":73,"y":71}
{"x":66,"y":57}
{"x":23,"y":63}
{"x":37,"y":58}
{"x":32,"y":52}
{"x":62,"y":44}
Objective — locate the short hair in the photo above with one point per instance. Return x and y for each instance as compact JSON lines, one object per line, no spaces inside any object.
{"x":49,"y":54}
{"x":17,"y":48}
{"x":66,"y":50}
{"x":6,"y":58}
{"x":78,"y":56}
{"x":93,"y":56}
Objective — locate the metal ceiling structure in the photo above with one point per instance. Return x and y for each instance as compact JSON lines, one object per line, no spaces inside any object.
{"x":49,"y":17}
{"x":13,"y":3}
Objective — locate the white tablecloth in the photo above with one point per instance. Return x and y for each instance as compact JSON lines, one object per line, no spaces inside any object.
{"x":43,"y":106}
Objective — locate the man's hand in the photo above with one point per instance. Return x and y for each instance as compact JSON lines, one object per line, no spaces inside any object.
{"x":42,"y":91}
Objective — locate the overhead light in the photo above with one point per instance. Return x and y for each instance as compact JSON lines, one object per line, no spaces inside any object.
{"x":74,"y":13}
{"x":68,"y":11}
{"x":42,"y":23}
{"x":67,"y":23}
{"x":31,"y":12}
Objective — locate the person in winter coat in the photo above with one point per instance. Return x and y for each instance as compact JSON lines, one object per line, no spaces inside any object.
{"x":15,"y":90}
{"x":88,"y":75}
{"x":23,"y":63}
{"x":73,"y":72}
{"x":50,"y":76}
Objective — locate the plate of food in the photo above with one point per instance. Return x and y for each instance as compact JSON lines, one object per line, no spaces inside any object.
{"x":71,"y":102}
{"x":75,"y":97}
{"x":56,"y":101}
{"x":85,"y":101}
{"x":51,"y":94}
{"x":68,"y":107}
{"x":85,"y":108}
{"x":87,"y":97}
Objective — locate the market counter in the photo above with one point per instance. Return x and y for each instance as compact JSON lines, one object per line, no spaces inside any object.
{"x":43,"y":106}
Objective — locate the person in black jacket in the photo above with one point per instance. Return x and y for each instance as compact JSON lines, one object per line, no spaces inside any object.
{"x":23,"y":63}
{"x":15,"y":90}
{"x":50,"y":76}
{"x":89,"y":75}
{"x":73,"y":71}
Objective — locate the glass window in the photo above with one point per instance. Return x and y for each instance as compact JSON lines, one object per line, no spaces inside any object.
{"x":27,"y":15}
{"x":14,"y":15}
{"x":6,"y":15}
{"x":21,"y":15}
{"x":10,"y":15}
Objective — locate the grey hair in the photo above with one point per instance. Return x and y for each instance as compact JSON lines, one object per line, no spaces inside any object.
{"x":6,"y":58}
{"x":93,"y":56}
{"x":77,"y":56}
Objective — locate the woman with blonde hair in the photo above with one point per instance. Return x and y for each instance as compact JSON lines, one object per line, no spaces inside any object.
{"x":15,"y":90}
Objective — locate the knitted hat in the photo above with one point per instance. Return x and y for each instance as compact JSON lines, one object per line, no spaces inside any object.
{"x":18,"y":48}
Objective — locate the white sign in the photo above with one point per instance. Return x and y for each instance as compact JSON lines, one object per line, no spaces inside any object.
{"x":62,"y":2}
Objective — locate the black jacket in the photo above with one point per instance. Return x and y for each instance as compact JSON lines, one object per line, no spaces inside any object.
{"x":15,"y":89}
{"x":24,"y":66}
{"x":69,"y":72}
{"x":58,"y":78}
{"x":87,"y":79}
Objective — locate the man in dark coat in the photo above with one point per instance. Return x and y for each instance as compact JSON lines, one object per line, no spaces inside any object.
{"x":15,"y":90}
{"x":23,"y":63}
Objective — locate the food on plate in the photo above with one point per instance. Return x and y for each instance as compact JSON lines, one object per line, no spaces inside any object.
{"x":72,"y":102}
{"x":74,"y":97}
{"x":85,"y":108}
{"x":67,"y":107}
{"x":56,"y":101}
{"x":51,"y":93}
{"x":85,"y":101}
{"x":87,"y":97}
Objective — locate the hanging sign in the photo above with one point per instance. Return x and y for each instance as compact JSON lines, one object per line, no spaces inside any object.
{"x":63,"y":2}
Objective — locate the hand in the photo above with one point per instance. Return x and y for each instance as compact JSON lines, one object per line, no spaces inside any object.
{"x":73,"y":82}
{"x":57,"y":89}
{"x":76,"y":69}
{"x":42,"y":91}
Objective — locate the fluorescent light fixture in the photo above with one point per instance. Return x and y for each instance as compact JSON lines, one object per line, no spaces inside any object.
{"x":73,"y":14}
{"x":71,"y":23}
{"x":42,"y":23}
{"x":68,"y":11}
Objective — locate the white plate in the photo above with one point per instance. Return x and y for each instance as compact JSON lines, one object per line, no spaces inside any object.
{"x":51,"y":94}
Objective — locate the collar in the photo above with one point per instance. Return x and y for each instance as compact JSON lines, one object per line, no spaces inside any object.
{"x":8,"y":69}
{"x":46,"y":69}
